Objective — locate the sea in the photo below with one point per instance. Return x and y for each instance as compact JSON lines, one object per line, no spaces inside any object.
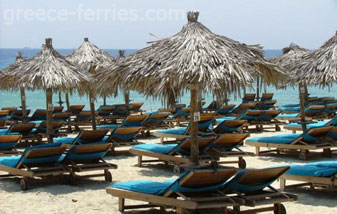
{"x":36,"y":99}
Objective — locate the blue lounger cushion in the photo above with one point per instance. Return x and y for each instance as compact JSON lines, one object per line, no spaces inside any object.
{"x":288,"y":115}
{"x":220,"y":120}
{"x":156,"y":148}
{"x":310,"y":125}
{"x":177,"y":131}
{"x":70,"y":140}
{"x":294,"y":109}
{"x":311,"y":170}
{"x":5,"y":132}
{"x":331,"y":164}
{"x":12,"y":161}
{"x":147,"y":187}
{"x":277,"y":139}
{"x":111,"y":126}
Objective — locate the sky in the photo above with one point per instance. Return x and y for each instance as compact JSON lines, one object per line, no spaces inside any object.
{"x":130,"y":24}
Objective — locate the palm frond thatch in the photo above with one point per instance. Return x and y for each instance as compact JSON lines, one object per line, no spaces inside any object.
{"x":318,"y":67}
{"x":48,"y":69}
{"x":194,"y":55}
{"x":8,"y":71}
{"x":89,"y":54}
{"x":289,"y":56}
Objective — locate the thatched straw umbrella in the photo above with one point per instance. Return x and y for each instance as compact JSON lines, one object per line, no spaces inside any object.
{"x":318,"y":67}
{"x":8,"y":72}
{"x":194,"y":56}
{"x":48,"y":70}
{"x":89,"y":57}
{"x":290,"y":56}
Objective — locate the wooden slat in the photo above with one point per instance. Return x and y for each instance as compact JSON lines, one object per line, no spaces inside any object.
{"x":163,"y":157}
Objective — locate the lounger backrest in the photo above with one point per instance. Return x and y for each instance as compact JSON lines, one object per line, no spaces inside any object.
{"x":136,"y":118}
{"x":261,"y":176}
{"x":316,"y":107}
{"x":127,"y":130}
{"x":249,"y":97}
{"x":85,"y":153}
{"x":107,"y":108}
{"x":254,"y":113}
{"x":92,"y":135}
{"x":9,"y":141}
{"x":206,"y":116}
{"x":41,"y":155}
{"x":56,"y":125}
{"x":230,"y":140}
{"x":39,"y":114}
{"x":267,"y":96}
{"x":4,"y":113}
{"x":19,"y":112}
{"x":136,"y":106}
{"x":202,"y":143}
{"x":204,"y":178}
{"x":272,"y":113}
{"x":61,"y":116}
{"x":76,"y":108}
{"x":84,"y":116}
{"x":22,"y":128}
{"x":225,"y":107}
{"x":58,"y":109}
{"x":316,"y":132}
{"x":10,"y":109}
{"x":159,"y":116}
{"x":233,"y":123}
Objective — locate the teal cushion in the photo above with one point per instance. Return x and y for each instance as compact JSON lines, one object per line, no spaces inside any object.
{"x":147,"y":187}
{"x":277,"y":139}
{"x":310,"y":125}
{"x":10,"y":161}
{"x":156,"y":148}
{"x":177,"y":131}
{"x":330,"y":164}
{"x":311,"y":170}
{"x":288,"y":115}
{"x":111,"y":126}
{"x":220,"y":120}
{"x":66,"y":140}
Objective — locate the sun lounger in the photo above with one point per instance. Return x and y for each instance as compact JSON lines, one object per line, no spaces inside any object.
{"x":135,"y":107}
{"x":75,"y":109}
{"x":123,"y":136}
{"x":267,"y":97}
{"x":156,"y":120}
{"x":17,"y":115}
{"x":298,"y":127}
{"x":250,"y":187}
{"x":9,"y":109}
{"x":176,"y":154}
{"x":130,"y":121}
{"x":85,"y":137}
{"x":229,"y":126}
{"x":39,"y":115}
{"x":58,"y":109}
{"x":262,"y":118}
{"x":61,"y":116}
{"x":313,"y":111}
{"x":226,"y":146}
{"x":4,"y":118}
{"x":248,"y":98}
{"x":87,"y":158}
{"x":321,"y":174}
{"x":242,"y":108}
{"x":197,"y":189}
{"x":225,"y":109}
{"x":8,"y":143}
{"x":36,"y":161}
{"x":312,"y":139}
{"x":204,"y":125}
{"x":105,"y":110}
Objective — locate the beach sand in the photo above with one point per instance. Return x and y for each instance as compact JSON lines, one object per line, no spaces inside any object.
{"x":89,"y":196}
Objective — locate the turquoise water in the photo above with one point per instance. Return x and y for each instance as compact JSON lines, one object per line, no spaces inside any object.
{"x":36,"y":99}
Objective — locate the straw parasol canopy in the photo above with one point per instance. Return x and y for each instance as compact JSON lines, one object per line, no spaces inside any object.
{"x":195,"y":57}
{"x":89,"y":57}
{"x":318,"y":67}
{"x":48,"y":70}
{"x":8,"y":72}
{"x":289,"y":55}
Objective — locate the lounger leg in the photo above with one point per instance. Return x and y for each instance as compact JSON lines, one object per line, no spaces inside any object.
{"x":139,"y":161}
{"x":282,"y":184}
{"x":121,"y":203}
{"x":327,"y":153}
{"x":180,"y":210}
{"x":257,"y":150}
{"x":225,"y":210}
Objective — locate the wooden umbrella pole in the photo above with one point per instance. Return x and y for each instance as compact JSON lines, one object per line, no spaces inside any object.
{"x":104,"y":100}
{"x":49,"y":105}
{"x":306,"y":95}
{"x":92,"y":110}
{"x":127,"y":100}
{"x":258,"y":88}
{"x":60,"y":99}
{"x":302,"y":107}
{"x":200,"y":99}
{"x":226,"y":98}
{"x":194,"y":124}
{"x":67,"y":102}
{"x":23,"y":104}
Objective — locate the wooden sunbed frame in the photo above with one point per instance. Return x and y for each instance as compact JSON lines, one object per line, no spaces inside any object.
{"x":76,"y":167}
{"x":264,"y":197}
{"x":174,"y":157}
{"x":182,"y":201}
{"x":267,"y":96}
{"x":9,"y":138}
{"x":225,"y":107}
{"x":244,"y":107}
{"x":75,"y":109}
{"x":324,"y":143}
{"x":160,"y":116}
{"x":312,"y":181}
{"x":29,"y":172}
{"x":230,"y":140}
